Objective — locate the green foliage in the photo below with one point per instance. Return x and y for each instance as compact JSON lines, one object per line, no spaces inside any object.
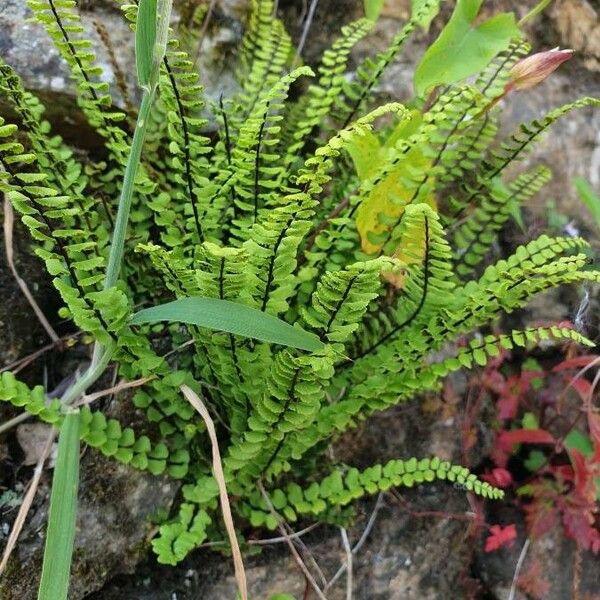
{"x":371,"y":229}
{"x":463,"y":49}
{"x":341,"y":487}
{"x":373,"y":8}
{"x":589,"y":198}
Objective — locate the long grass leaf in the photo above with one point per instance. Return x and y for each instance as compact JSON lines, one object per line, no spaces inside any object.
{"x":60,"y":535}
{"x":230,"y":317}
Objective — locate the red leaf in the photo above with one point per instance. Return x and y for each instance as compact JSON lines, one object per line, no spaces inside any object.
{"x":575,"y":363}
{"x":498,"y":477}
{"x":594,"y":427}
{"x":500,"y":537}
{"x":507,"y":439}
{"x":508,"y":405}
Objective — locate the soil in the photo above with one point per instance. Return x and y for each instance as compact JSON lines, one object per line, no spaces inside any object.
{"x":404,"y":556}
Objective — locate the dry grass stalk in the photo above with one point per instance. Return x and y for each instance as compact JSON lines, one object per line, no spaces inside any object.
{"x":520,"y":561}
{"x":27,"y":501}
{"x":348,"y":550}
{"x":9,"y":220}
{"x":121,"y":386}
{"x":240,"y":573}
{"x":285,"y":535}
{"x":363,"y":538}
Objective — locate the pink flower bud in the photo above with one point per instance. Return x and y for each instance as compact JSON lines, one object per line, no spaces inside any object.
{"x":535,"y":68}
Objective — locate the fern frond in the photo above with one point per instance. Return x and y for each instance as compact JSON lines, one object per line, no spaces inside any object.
{"x":474,"y":238}
{"x":480,"y":350}
{"x":97,"y":431}
{"x":514,"y":149}
{"x":308,"y":115}
{"x":343,"y":486}
{"x":369,"y":73}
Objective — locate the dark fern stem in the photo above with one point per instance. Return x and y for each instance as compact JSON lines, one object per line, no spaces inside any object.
{"x":193,"y":198}
{"x":289,"y":399}
{"x":271,"y":270}
{"x":257,"y":162}
{"x":417,"y":310}
{"x":227,"y":143}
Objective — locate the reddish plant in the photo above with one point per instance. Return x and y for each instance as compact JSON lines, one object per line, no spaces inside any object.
{"x":553,"y":438}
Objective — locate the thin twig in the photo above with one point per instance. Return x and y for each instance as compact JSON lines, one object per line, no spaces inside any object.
{"x":202,"y":33}
{"x":278,"y":540}
{"x":305,"y":30}
{"x":240,"y":573}
{"x":13,"y":422}
{"x":266,"y":542}
{"x":179,"y":348}
{"x":363,"y":538}
{"x":9,"y":219}
{"x":122,"y":385}
{"x":520,"y":561}
{"x":21,"y":363}
{"x":27,"y":501}
{"x":348,"y":550}
{"x":297,"y":557}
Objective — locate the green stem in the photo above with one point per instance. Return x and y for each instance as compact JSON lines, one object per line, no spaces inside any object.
{"x":92,"y":374}
{"x":117,"y":247}
{"x":115,"y":258}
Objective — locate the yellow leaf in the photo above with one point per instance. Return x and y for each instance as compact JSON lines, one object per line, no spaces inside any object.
{"x":388,"y":199}
{"x":366,"y":154}
{"x":385,"y":203}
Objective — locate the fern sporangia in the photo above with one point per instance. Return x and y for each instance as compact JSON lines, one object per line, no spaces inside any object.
{"x":374,"y":236}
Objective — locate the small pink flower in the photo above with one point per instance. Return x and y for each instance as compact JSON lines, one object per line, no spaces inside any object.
{"x":535,"y":68}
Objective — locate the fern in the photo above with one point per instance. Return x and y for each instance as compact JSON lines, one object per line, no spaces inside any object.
{"x":375,"y":235}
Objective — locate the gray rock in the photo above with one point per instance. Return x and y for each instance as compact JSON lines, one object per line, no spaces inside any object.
{"x":115,"y":505}
{"x":25,"y":46}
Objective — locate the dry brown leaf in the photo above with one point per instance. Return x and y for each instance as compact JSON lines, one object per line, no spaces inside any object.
{"x":32,"y":438}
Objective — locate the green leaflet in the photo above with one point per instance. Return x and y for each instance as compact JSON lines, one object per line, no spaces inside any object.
{"x":463,"y":49}
{"x":230,"y":317}
{"x":60,"y":535}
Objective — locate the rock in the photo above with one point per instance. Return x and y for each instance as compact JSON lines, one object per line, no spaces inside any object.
{"x":539,"y":569}
{"x":578,"y":23}
{"x":25,"y":46}
{"x":115,"y":505}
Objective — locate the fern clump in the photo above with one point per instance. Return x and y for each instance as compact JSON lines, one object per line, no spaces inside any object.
{"x":370,"y":228}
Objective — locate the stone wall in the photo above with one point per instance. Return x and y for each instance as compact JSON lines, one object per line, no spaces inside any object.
{"x":404,"y":558}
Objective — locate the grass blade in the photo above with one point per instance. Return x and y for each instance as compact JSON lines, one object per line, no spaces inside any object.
{"x":60,"y":535}
{"x":230,"y":317}
{"x":145,"y":38}
{"x":589,"y":198}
